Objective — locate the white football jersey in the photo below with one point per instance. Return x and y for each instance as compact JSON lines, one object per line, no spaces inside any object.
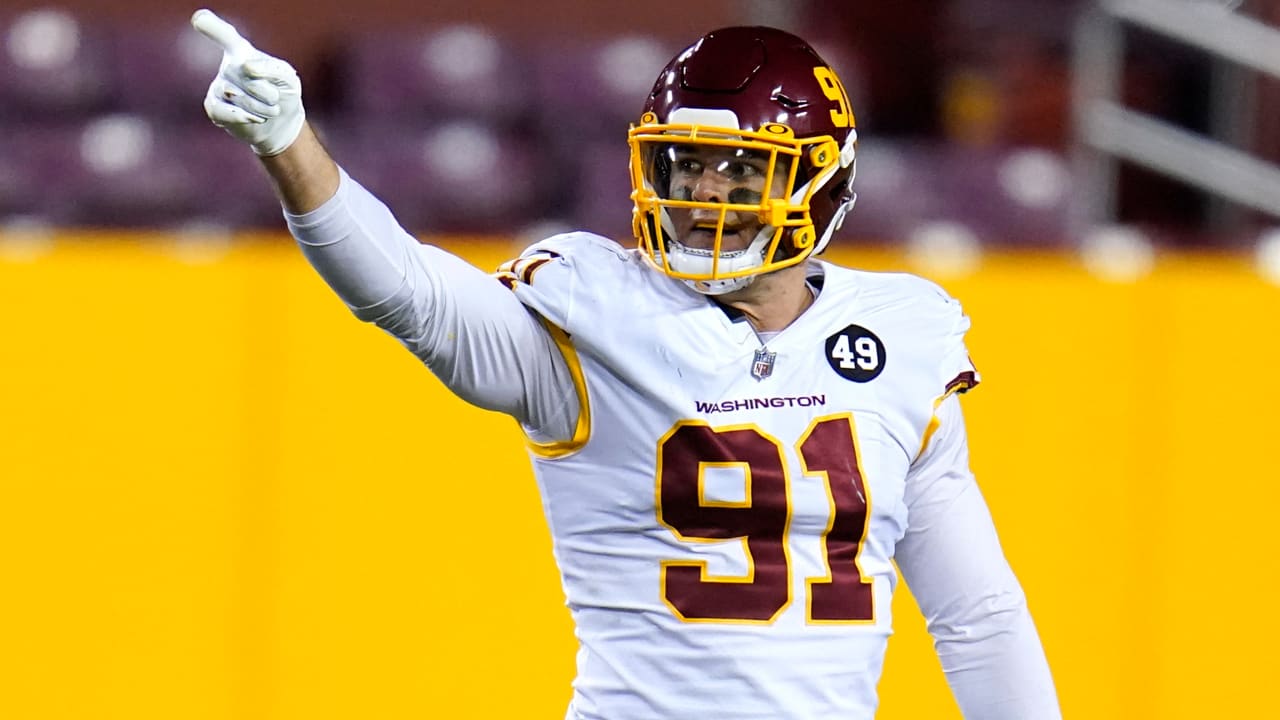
{"x":724,"y":511}
{"x":726,"y":516}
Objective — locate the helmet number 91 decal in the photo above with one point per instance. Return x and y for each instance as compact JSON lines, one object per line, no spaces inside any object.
{"x":841,"y":116}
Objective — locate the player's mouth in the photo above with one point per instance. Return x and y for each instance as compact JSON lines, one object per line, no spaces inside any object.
{"x":703,"y":235}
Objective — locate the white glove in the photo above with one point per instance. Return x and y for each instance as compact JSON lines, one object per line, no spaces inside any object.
{"x":255,"y":97}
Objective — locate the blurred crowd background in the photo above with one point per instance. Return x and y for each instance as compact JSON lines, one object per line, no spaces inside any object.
{"x":1011,"y":122}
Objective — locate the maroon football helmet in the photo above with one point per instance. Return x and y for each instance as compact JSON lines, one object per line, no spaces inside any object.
{"x":760,"y":107}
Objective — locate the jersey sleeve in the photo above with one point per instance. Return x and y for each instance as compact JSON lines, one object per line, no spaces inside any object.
{"x":559,"y":281}
{"x":461,"y":322}
{"x":956,"y":372}
{"x":945,"y":362}
{"x":974,"y":607}
{"x":556,"y":277}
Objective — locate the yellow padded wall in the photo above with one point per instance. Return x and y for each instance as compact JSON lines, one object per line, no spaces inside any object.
{"x":223,"y":497}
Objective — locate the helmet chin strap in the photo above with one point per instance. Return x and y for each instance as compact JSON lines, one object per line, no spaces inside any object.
{"x":696,"y":261}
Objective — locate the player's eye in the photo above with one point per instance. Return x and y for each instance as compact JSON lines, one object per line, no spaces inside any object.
{"x":740,"y":171}
{"x":687,"y":166}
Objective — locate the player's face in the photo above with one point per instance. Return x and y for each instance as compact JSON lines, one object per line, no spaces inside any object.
{"x":714,"y":174}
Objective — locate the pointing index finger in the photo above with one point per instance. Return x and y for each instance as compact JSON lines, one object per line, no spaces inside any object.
{"x":219,"y":31}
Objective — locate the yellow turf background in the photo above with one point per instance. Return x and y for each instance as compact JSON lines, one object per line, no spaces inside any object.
{"x":222,"y":497}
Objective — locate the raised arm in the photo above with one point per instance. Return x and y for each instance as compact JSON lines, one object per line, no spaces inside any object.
{"x":470,"y":330}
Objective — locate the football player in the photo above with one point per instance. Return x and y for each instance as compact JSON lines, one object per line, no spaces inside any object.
{"x":734,"y":440}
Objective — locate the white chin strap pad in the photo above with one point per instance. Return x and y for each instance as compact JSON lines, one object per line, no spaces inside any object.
{"x":695,"y":261}
{"x":720,"y":287}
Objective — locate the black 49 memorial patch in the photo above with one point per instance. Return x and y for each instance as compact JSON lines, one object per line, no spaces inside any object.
{"x":856,"y":354}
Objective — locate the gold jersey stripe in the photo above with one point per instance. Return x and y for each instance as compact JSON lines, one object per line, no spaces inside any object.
{"x":962,"y":383}
{"x":582,"y":429}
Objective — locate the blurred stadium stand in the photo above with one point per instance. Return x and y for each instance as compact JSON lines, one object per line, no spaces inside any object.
{"x":434,"y":74}
{"x":477,"y":127}
{"x":53,"y":67}
{"x":460,"y":176}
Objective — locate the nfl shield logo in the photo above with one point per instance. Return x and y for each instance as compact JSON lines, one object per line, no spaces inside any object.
{"x":762,"y":366}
